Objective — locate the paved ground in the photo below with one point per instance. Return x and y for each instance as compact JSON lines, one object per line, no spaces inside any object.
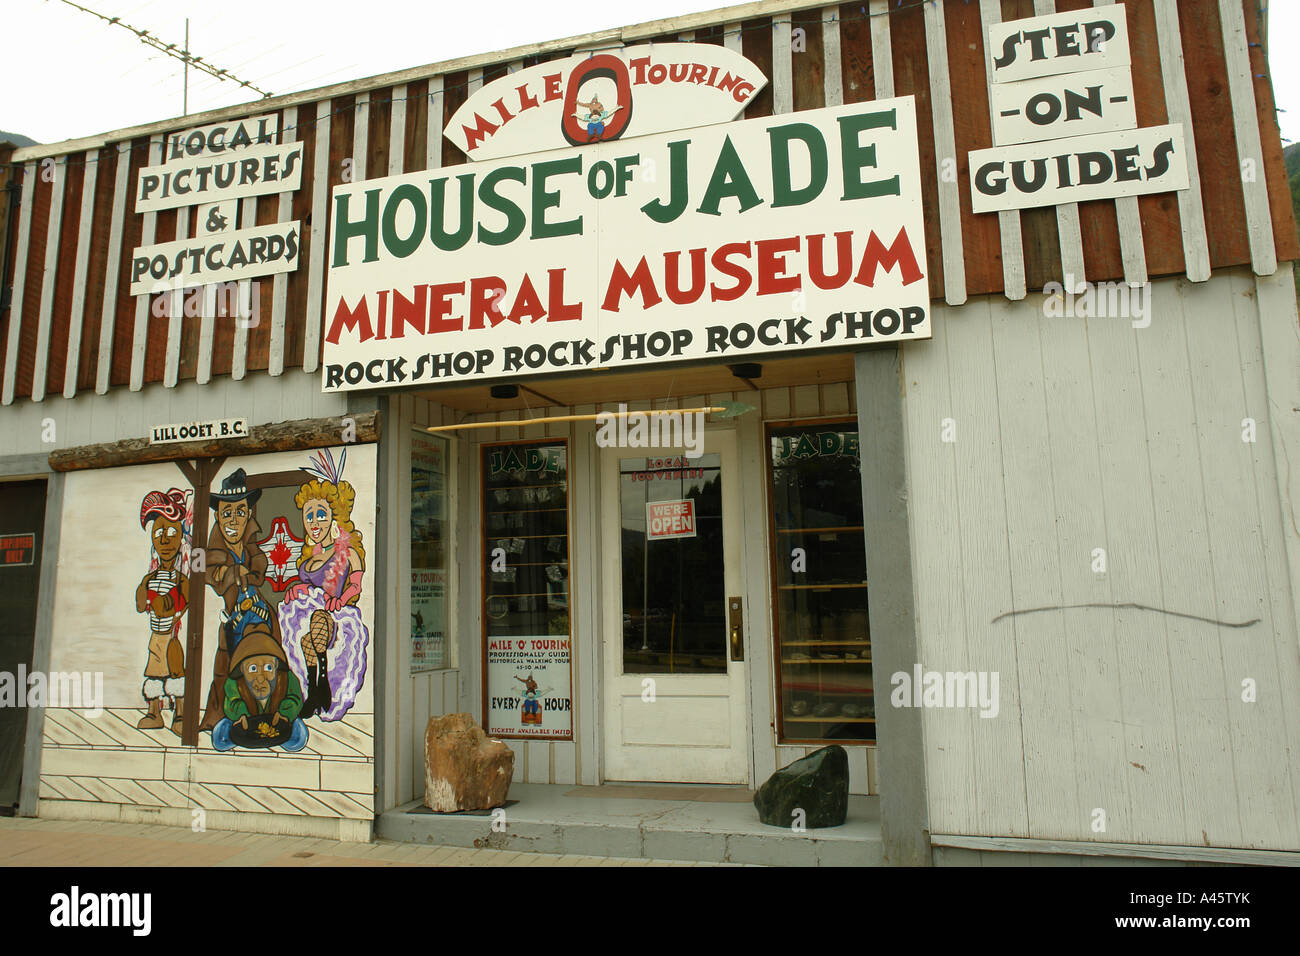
{"x":28,"y":842}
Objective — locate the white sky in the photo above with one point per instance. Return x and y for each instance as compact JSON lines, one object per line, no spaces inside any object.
{"x":67,"y":74}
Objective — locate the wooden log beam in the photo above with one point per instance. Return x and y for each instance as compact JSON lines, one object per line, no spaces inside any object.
{"x":282,"y":436}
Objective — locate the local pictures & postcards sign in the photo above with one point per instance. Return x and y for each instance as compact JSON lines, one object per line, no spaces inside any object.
{"x":212,"y":168}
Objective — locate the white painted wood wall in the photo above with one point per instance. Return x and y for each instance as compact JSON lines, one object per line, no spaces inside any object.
{"x":1074,"y":434}
{"x":120,"y":413}
{"x":410,"y":699}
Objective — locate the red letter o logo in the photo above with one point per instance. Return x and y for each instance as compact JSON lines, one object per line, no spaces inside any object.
{"x":575,"y":130}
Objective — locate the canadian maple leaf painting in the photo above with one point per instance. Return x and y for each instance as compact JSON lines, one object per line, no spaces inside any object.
{"x":281,"y":548}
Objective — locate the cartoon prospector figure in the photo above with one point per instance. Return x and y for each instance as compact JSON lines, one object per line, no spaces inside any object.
{"x":595,"y":118}
{"x":163,"y":594}
{"x":236,"y":568}
{"x":325,"y":635}
{"x":531,"y":711}
{"x":262,"y":699}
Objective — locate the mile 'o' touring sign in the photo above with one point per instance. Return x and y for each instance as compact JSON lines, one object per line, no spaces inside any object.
{"x":600,"y":97}
{"x":772,"y":235}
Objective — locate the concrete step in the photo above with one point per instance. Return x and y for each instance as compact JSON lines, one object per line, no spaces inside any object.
{"x":711,"y":825}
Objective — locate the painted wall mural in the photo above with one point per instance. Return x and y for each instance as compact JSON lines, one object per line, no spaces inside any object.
{"x":326,"y":636}
{"x":162,"y":595}
{"x":280,"y":555}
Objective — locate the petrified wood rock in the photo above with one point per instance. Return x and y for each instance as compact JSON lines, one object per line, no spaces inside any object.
{"x":464,"y":768}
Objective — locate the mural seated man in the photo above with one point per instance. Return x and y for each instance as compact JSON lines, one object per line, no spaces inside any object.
{"x":262,"y":698}
{"x":236,"y":568}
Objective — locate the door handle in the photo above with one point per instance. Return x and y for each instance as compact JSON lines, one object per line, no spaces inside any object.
{"x":736,"y":625}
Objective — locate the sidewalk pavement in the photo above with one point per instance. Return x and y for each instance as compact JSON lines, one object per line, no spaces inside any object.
{"x":34,"y":842}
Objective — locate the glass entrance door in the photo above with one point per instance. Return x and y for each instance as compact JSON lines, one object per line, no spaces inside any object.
{"x":674,"y":689}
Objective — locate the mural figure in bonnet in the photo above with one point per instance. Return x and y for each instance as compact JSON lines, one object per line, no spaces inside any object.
{"x":236,"y":568}
{"x":163,"y":595}
{"x":325,"y":636}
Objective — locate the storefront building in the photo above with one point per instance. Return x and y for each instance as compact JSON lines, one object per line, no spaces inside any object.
{"x":591,"y":389}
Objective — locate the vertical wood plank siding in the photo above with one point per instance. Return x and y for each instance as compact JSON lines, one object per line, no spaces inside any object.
{"x":1191,"y":212}
{"x":45,"y":317}
{"x":1068,"y":229}
{"x":906,"y":27}
{"x":81,"y":280}
{"x":945,"y":145}
{"x":72,"y":325}
{"x":34,"y":269}
{"x":1279,"y":190}
{"x":19,"y":293}
{"x":66,"y":290}
{"x":1250,"y":153}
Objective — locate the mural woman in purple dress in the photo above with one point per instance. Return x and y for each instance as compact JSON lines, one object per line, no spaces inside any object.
{"x":324,"y":637}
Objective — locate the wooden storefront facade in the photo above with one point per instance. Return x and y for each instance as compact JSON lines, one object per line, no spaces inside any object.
{"x":1120,"y":688}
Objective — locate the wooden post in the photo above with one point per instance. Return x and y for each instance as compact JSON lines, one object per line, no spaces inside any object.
{"x":200,"y":475}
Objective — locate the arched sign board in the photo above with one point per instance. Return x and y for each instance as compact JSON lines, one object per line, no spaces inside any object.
{"x":602,"y":97}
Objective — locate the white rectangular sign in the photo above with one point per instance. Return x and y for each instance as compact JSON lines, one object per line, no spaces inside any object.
{"x":670,"y":519}
{"x":255,"y":171}
{"x":1055,"y":107}
{"x":529,"y":687}
{"x":221,"y":137}
{"x":198,"y":431}
{"x":772,"y":235}
{"x":1127,"y":163}
{"x":1091,"y":39}
{"x":241,"y":254}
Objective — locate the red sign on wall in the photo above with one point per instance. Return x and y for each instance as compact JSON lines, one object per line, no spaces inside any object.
{"x":17,"y":550}
{"x":670,"y":519}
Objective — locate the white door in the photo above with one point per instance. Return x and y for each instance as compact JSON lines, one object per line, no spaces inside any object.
{"x":674,"y":692}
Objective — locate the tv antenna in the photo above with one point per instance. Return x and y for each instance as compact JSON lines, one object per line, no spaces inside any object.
{"x":181,"y":53}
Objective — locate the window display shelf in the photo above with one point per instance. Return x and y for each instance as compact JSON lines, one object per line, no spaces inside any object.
{"x":825,"y":660}
{"x":817,"y":587}
{"x":525,"y":591}
{"x":834,"y":530}
{"x":825,"y":643}
{"x":820,"y":606}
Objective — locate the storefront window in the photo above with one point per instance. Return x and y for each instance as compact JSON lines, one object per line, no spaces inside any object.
{"x":673,"y":601}
{"x":430,"y":649}
{"x":823,"y":643}
{"x":526,"y":590}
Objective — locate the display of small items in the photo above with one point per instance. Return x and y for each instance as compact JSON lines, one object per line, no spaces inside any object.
{"x":823,"y":640}
{"x":526,"y":550}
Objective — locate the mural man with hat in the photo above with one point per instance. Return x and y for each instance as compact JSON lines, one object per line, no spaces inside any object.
{"x":262,"y":699}
{"x":236,"y":568}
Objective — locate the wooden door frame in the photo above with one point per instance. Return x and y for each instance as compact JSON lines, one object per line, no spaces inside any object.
{"x":610,"y":577}
{"x":26,"y":468}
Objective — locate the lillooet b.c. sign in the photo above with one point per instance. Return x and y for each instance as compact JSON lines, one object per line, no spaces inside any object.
{"x":199,"y":431}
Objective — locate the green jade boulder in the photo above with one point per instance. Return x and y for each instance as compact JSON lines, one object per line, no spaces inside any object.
{"x":817,"y":784}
